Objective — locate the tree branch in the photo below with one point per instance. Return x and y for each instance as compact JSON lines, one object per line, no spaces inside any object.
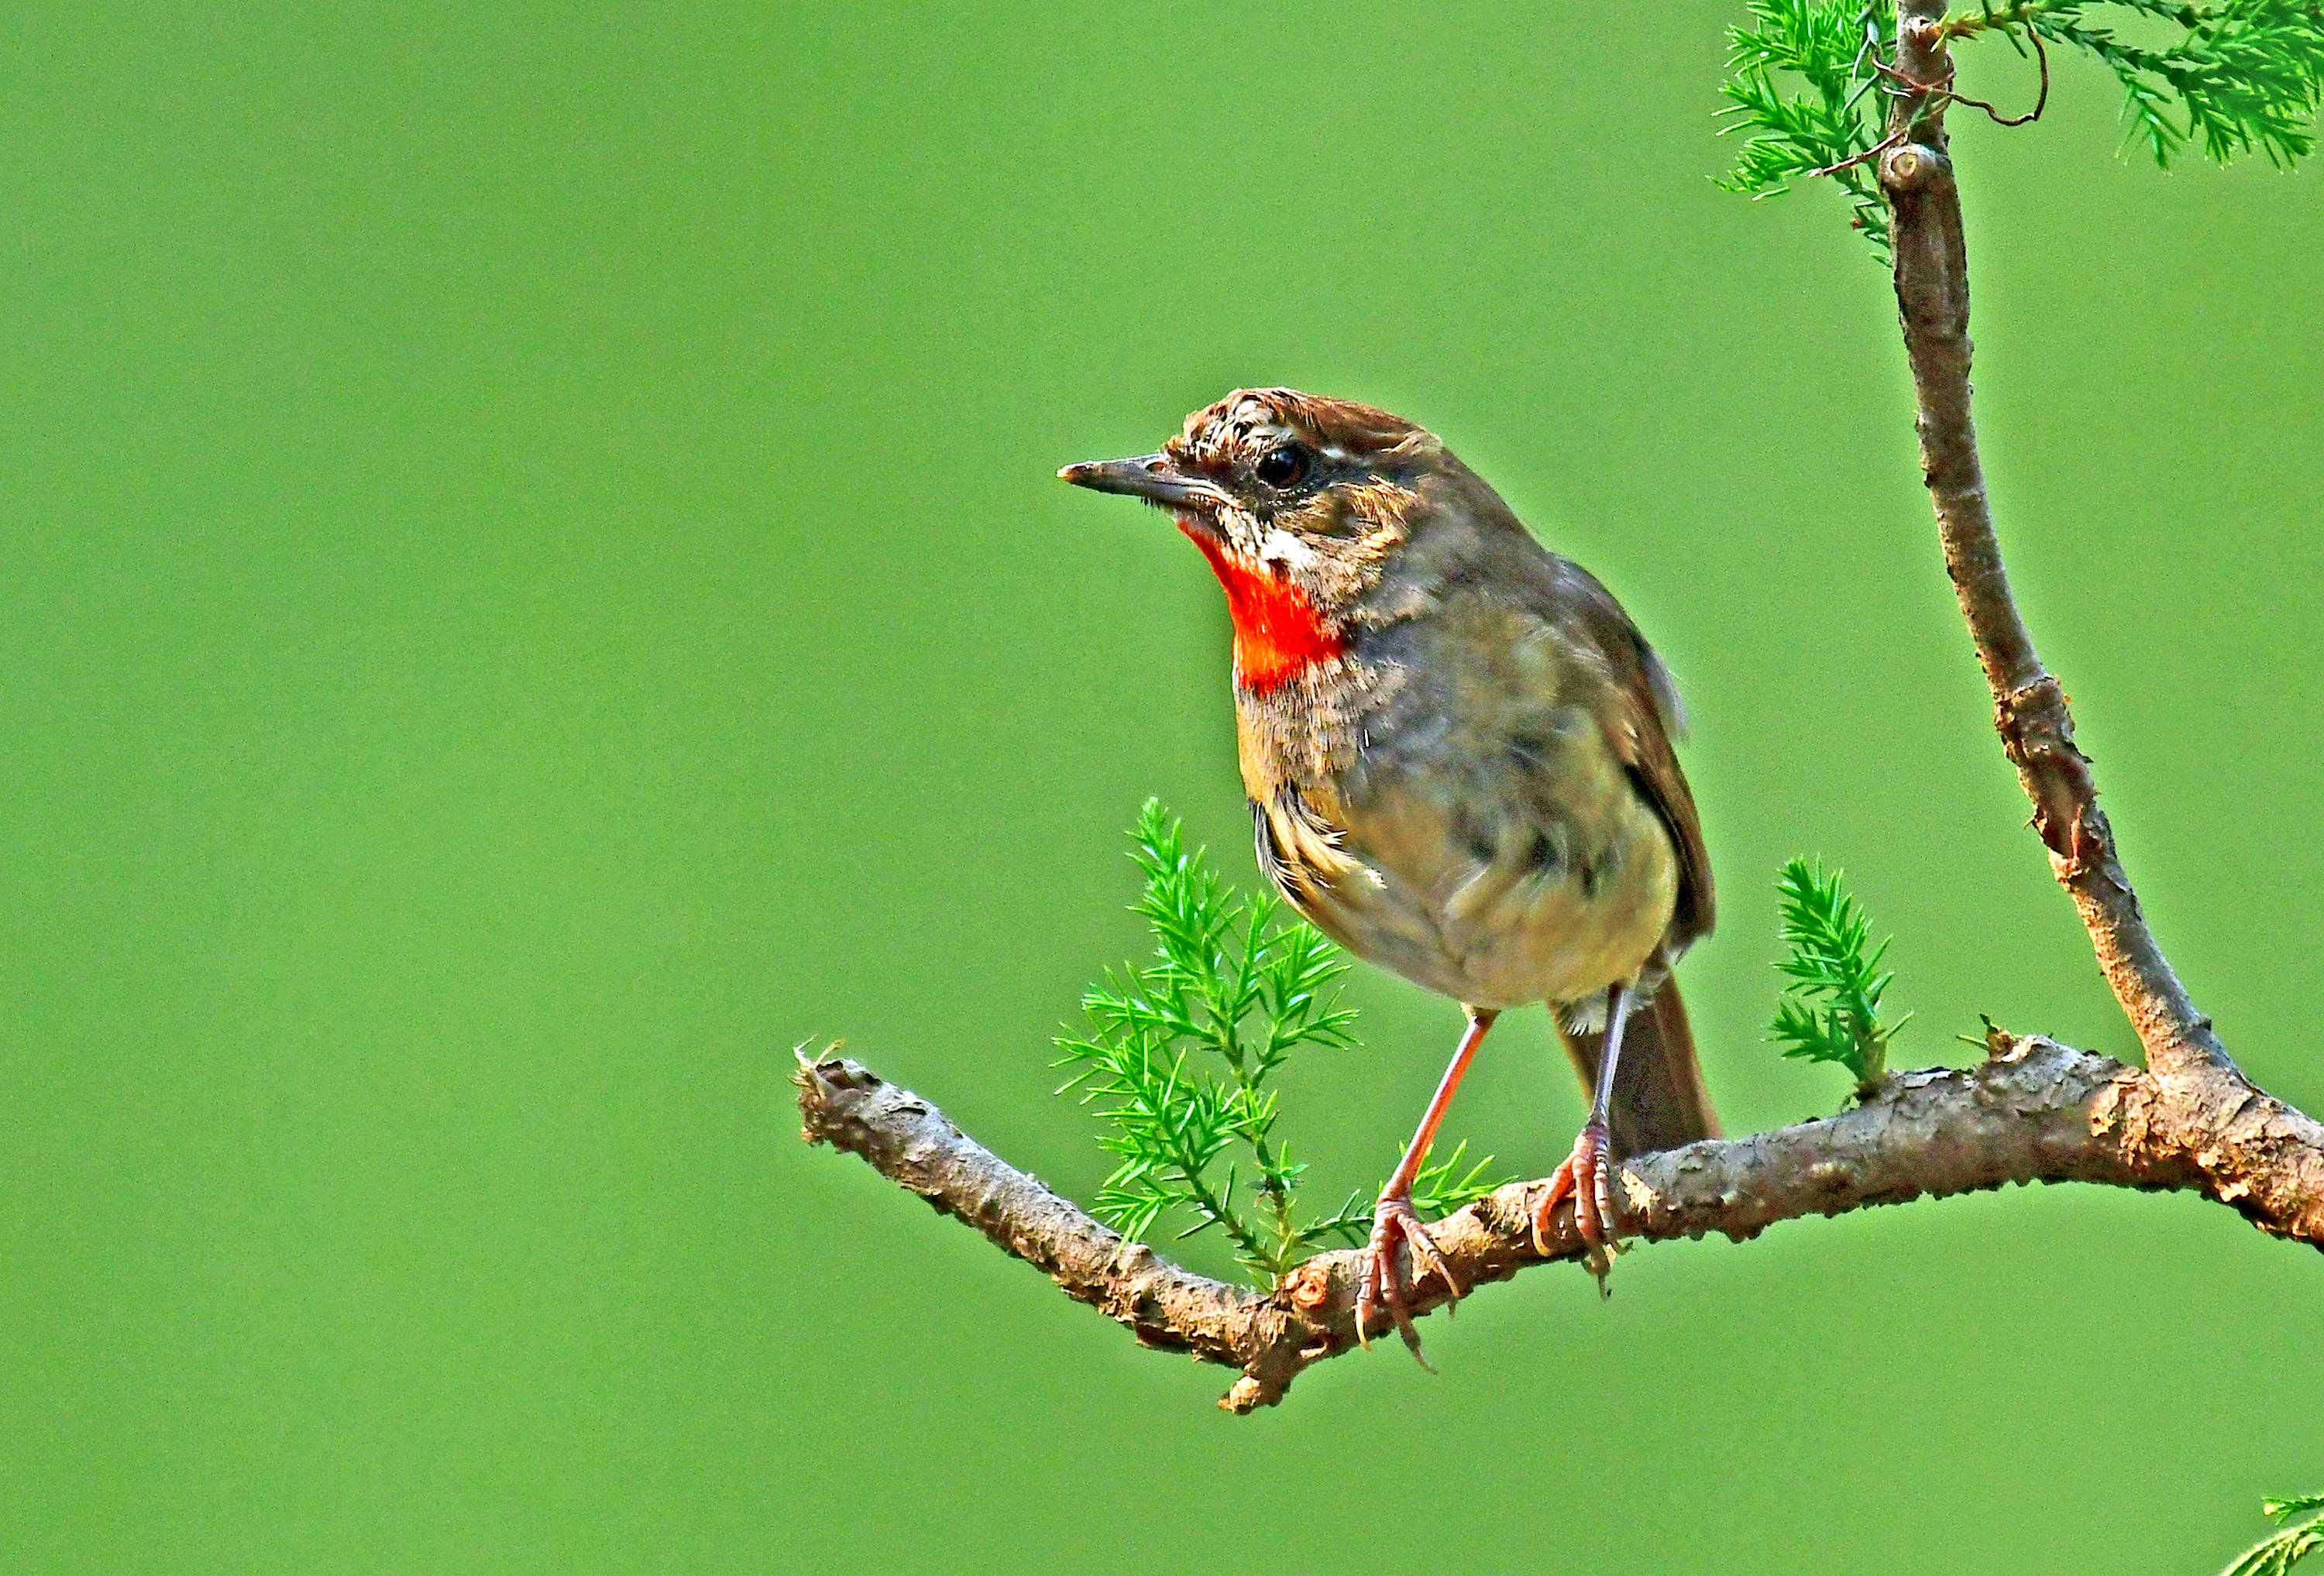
{"x":2035,"y":1112}
{"x":2030,"y":707}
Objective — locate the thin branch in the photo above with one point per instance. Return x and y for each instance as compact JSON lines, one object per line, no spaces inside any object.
{"x":2036,"y":1112}
{"x":2031,"y":713}
{"x":1893,"y":139}
{"x":1942,"y":92}
{"x":2040,"y":99}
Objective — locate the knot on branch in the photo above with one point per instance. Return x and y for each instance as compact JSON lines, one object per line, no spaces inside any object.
{"x":1913,"y":168}
{"x":2037,"y":734}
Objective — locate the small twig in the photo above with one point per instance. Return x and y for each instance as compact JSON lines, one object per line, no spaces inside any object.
{"x":2041,"y":100}
{"x":1894,"y":139}
{"x":1913,"y":86}
{"x":1944,"y":92}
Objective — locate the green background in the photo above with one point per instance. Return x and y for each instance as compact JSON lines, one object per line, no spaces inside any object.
{"x":534,"y":582}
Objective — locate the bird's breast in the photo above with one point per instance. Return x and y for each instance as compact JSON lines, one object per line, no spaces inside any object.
{"x":1463,"y":823}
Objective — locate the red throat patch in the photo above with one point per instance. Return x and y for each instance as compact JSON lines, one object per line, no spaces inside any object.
{"x":1277,"y":633}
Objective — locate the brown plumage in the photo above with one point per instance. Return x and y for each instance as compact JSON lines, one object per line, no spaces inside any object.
{"x":1458,"y":750}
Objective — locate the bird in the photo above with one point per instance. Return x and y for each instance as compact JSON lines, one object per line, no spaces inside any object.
{"x":1458,"y":754}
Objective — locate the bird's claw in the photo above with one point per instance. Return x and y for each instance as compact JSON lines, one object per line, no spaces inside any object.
{"x":1383,"y":1281}
{"x":1586,"y":1177}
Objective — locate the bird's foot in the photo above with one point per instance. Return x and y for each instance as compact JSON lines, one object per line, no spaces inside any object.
{"x":1586,"y":1177}
{"x":1393,"y":1219}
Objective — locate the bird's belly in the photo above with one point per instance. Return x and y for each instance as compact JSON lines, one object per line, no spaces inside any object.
{"x":1496,"y":915}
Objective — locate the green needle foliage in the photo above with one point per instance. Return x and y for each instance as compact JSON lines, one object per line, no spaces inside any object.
{"x":1826,"y":127}
{"x":2280,"y":1550}
{"x":2232,"y":77}
{"x":2240,"y":77}
{"x":1181,"y":1054}
{"x":1831,"y":1011}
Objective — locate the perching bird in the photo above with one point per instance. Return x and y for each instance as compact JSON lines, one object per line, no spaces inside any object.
{"x":1458,"y":751}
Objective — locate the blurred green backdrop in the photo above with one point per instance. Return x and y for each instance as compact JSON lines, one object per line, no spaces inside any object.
{"x":533,"y":581}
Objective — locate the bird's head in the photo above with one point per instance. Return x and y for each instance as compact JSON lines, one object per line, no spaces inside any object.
{"x":1296,"y":500}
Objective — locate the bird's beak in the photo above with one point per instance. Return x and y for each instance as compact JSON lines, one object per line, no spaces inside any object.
{"x":1150,"y":476}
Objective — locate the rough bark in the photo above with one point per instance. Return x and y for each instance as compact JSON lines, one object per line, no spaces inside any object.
{"x":2030,"y":707}
{"x":2035,"y":1112}
{"x":2031,"y":714}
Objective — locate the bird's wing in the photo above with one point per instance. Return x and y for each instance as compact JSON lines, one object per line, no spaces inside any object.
{"x":1640,"y":724}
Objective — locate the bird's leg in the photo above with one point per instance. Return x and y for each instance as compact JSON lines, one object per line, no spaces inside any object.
{"x":1587,"y":1173}
{"x":1392,"y":1217}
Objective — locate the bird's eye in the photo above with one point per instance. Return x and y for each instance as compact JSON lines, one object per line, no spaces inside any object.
{"x":1283,"y":466}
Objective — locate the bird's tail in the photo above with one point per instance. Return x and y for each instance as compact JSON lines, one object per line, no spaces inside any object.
{"x":1659,"y":1100}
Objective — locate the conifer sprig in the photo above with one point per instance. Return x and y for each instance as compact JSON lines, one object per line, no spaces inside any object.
{"x":2280,"y":1550}
{"x":1181,"y":1054}
{"x":1832,"y":48}
{"x":2237,"y":77}
{"x":1831,"y":1011}
{"x":1811,"y":81}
